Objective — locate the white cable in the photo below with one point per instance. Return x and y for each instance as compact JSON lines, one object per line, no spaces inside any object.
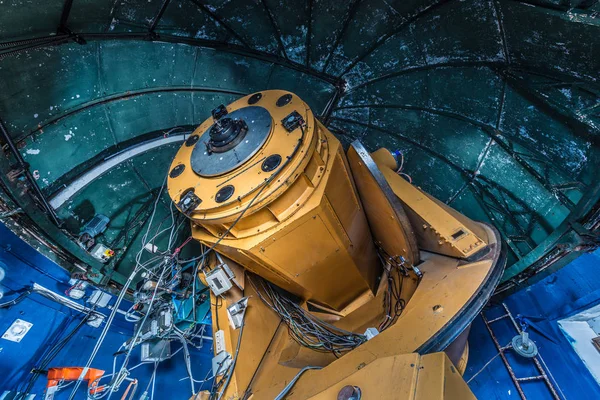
{"x":188,"y":364}
{"x":132,"y":344}
{"x":153,"y":381}
{"x":551,"y":376}
{"x":482,"y":368}
{"x":116,"y":305}
{"x":103,"y":334}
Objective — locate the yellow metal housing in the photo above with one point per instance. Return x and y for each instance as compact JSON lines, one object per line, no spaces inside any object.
{"x":301,"y":225}
{"x":439,"y":228}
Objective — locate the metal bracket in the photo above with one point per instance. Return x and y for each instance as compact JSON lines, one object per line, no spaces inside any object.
{"x":292,"y":121}
{"x":189,"y":202}
{"x":17,"y":331}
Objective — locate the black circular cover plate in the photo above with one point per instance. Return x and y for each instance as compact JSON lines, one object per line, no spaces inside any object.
{"x":254,"y":98}
{"x":177,"y":170}
{"x":192,"y":140}
{"x":283,"y":100}
{"x":224,"y":193}
{"x":271,"y":163}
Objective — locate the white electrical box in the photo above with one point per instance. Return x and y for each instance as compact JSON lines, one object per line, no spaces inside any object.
{"x":100,"y":298}
{"x":219,"y":341}
{"x":220,"y":363}
{"x":370,"y":333}
{"x":218,"y":281}
{"x":236,"y":312}
{"x":77,"y":290}
{"x":102,"y":253}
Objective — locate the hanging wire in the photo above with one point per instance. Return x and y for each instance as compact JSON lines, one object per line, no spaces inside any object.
{"x":306,"y":329}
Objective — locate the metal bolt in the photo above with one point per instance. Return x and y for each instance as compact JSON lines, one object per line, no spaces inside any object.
{"x":349,"y":393}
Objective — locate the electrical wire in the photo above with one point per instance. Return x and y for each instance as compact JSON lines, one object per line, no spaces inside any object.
{"x":118,"y":301}
{"x":399,"y":170}
{"x":188,"y":365}
{"x":50,"y":354}
{"x":165,"y":265}
{"x":18,"y":299}
{"x":306,"y":329}
{"x":103,"y":334}
{"x":150,"y":268}
{"x":289,"y":386}
{"x":406,"y":175}
{"x":396,"y":270}
{"x":133,"y":343}
{"x":207,"y":379}
{"x":482,"y":368}
{"x":401,"y":162}
{"x":231,"y":368}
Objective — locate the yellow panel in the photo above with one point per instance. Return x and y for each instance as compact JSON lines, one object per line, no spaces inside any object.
{"x":385,"y":378}
{"x":401,"y":377}
{"x":438,"y":379}
{"x":387,"y":219}
{"x":341,"y":196}
{"x":442,"y":293}
{"x":312,"y":237}
{"x":295,"y":259}
{"x":437,"y":229}
{"x":260,"y":326}
{"x":296,"y":195}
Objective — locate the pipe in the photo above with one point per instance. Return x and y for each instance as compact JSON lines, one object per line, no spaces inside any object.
{"x":25,"y":167}
{"x":69,"y":191}
{"x":49,"y":294}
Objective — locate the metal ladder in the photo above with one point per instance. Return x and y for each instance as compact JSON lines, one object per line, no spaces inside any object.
{"x":536,"y":360}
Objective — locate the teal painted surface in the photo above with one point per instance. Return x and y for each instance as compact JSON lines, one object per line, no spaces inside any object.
{"x":494,"y":103}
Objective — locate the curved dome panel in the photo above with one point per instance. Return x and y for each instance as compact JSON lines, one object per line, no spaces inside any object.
{"x":493,"y":103}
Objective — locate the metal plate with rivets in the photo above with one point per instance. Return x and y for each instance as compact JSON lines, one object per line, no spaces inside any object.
{"x":17,"y":331}
{"x":259,"y":123}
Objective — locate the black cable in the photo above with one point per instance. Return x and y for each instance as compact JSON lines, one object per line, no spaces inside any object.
{"x":231,"y":368}
{"x":17,"y":299}
{"x":51,"y":354}
{"x":306,"y":329}
{"x":393,"y":303}
{"x":217,"y":306}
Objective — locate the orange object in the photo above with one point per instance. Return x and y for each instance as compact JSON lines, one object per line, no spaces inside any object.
{"x":133,"y":384}
{"x":58,"y":375}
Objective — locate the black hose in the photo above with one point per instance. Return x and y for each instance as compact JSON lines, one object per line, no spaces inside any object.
{"x":51,"y":354}
{"x":18,"y":299}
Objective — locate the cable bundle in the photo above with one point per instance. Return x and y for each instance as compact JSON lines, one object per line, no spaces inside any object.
{"x":306,"y":329}
{"x":393,"y":303}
